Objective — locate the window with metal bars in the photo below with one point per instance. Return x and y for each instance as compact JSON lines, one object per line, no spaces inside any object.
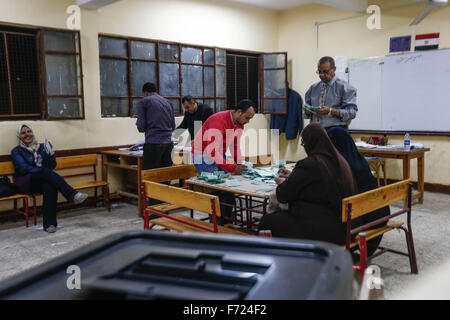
{"x":259,"y":77}
{"x":242,"y":78}
{"x":40,"y":74}
{"x":176,"y":69}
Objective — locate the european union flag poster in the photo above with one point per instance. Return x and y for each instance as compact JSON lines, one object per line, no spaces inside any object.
{"x":398,"y":44}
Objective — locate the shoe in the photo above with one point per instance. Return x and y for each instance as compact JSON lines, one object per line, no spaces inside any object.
{"x":79,"y":197}
{"x":51,"y":229}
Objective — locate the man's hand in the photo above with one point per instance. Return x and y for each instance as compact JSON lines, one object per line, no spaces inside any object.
{"x":239,"y":169}
{"x":323,"y":110}
{"x":284,"y":173}
{"x":307,"y":112}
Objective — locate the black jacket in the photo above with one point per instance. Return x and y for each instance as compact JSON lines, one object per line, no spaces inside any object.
{"x":202,"y":113}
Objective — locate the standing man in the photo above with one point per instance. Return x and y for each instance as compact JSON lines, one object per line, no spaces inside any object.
{"x":335,"y":97}
{"x":223,"y":131}
{"x":156,"y":118}
{"x":193,"y":112}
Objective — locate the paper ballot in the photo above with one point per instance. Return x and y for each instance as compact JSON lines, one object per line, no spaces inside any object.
{"x":47,"y":146}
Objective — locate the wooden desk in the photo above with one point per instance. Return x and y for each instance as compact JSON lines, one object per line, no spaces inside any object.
{"x":125,"y":161}
{"x":245,"y":191}
{"x":406,"y":156}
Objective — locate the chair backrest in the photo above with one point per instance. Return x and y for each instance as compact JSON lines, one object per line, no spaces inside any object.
{"x":369,"y":201}
{"x":6,"y":168}
{"x":169,"y":173}
{"x":79,"y":161}
{"x":182,"y":197}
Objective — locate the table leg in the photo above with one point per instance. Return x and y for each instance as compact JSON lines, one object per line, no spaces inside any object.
{"x":420,"y":176}
{"x":104,"y":168}
{"x":139,"y":180}
{"x":406,"y":168}
{"x":406,"y":174}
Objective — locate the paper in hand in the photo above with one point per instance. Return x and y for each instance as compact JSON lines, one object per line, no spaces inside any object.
{"x":47,"y":146}
{"x":310,"y":108}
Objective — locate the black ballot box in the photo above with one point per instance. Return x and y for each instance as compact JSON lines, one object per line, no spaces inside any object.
{"x":165,"y":265}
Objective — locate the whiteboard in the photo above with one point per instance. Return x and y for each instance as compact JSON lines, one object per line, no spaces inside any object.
{"x":403,"y":92}
{"x":365,"y":76}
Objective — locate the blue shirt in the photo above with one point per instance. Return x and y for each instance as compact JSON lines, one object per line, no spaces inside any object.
{"x":156,"y":118}
{"x":339,"y":95}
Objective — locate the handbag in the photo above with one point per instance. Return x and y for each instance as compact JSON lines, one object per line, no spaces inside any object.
{"x":6,"y":187}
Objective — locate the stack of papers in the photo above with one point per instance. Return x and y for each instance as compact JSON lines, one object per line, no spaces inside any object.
{"x":414,"y":146}
{"x":362,"y":144}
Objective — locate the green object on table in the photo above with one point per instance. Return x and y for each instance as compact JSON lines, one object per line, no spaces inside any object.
{"x":232,"y":182}
{"x":215,"y":181}
{"x":222,"y":174}
{"x":256,"y":182}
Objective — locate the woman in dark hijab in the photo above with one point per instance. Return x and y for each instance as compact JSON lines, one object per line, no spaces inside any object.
{"x":363,"y":176}
{"x":314,"y":191}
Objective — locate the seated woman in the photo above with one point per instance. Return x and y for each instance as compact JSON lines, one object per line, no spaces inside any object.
{"x":314,"y":190}
{"x":34,"y":166}
{"x":365,"y":181}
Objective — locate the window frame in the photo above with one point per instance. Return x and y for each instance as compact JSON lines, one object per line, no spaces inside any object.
{"x":158,"y":60}
{"x":261,"y":79}
{"x":78,"y":55}
{"x":41,"y":78}
{"x":12,"y":115}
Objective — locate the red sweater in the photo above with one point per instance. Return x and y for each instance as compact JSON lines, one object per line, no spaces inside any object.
{"x":217,"y":134}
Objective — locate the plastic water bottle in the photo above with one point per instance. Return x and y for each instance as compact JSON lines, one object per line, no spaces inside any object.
{"x":406,"y":142}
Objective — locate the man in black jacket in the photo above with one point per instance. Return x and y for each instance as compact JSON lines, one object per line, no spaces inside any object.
{"x":193,"y":112}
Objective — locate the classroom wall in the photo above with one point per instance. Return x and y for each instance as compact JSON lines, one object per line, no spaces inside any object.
{"x":202,"y":22}
{"x":352,"y":38}
{"x":227,"y":25}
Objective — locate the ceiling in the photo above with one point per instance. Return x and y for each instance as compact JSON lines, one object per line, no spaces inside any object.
{"x":351,"y":5}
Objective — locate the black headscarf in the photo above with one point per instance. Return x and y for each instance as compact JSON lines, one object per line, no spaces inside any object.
{"x":365,"y":181}
{"x":335,"y":171}
{"x":360,"y":168}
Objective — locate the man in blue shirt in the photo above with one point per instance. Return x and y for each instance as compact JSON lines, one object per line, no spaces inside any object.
{"x":335,"y":97}
{"x":156,"y":118}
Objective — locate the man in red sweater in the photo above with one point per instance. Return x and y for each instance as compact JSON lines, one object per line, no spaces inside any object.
{"x":220,"y":132}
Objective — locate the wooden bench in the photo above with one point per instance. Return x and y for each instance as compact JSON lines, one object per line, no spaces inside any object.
{"x":7,"y":169}
{"x":88,"y":166}
{"x":184,"y":198}
{"x":180,"y":172}
{"x":364,"y":203}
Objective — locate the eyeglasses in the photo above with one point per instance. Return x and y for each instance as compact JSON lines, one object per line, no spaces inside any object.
{"x":324,"y":71}
{"x":25,"y":132}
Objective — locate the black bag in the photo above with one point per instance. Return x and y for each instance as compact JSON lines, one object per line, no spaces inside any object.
{"x":6,"y":187}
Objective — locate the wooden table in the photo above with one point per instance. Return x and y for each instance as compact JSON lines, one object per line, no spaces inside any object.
{"x":246,"y":190}
{"x":406,"y":156}
{"x":125,"y":161}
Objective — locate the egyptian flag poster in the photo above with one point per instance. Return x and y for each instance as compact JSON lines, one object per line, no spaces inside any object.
{"x":427,"y":41}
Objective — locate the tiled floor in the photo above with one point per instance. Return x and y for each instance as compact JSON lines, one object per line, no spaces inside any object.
{"x":22,"y":248}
